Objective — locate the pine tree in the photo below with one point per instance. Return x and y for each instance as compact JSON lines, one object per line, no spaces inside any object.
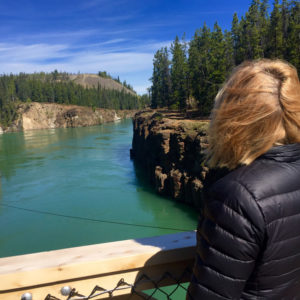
{"x":178,"y":75}
{"x":285,"y":22}
{"x":228,"y":52}
{"x":199,"y":66}
{"x":216,"y":68}
{"x":11,"y":89}
{"x":253,"y":30}
{"x":275,"y":47}
{"x":263,"y":25}
{"x":243,"y":45}
{"x":293,"y":36}
{"x":235,"y":32}
{"x":161,"y":81}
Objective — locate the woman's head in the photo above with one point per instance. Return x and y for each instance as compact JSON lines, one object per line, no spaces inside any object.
{"x":258,"y":107}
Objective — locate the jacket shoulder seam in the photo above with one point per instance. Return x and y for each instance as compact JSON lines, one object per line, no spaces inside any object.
{"x":235,"y":212}
{"x":254,"y":200}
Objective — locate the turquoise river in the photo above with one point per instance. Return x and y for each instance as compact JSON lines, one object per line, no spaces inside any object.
{"x":62,"y":188}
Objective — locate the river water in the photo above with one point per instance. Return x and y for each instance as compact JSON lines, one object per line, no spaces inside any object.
{"x":69,"y":187}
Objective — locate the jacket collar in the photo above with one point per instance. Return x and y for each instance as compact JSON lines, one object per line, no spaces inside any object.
{"x":284,"y":153}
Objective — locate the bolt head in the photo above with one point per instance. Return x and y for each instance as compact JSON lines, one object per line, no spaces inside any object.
{"x":26,"y":296}
{"x":66,"y":290}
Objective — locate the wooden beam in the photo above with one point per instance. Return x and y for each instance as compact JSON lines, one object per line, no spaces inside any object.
{"x":104,"y":265}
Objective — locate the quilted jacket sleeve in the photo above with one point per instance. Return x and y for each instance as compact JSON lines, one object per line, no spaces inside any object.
{"x":230,"y":237}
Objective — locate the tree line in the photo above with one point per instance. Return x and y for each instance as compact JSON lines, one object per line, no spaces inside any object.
{"x":56,"y":87}
{"x":196,"y":70}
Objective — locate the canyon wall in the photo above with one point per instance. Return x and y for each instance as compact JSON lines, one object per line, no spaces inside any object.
{"x":51,"y":115}
{"x":171,"y":151}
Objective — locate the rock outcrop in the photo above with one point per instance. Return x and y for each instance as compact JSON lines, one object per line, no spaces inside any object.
{"x":51,"y":115}
{"x":171,"y":150}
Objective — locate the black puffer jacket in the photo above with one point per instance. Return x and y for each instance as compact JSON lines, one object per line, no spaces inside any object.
{"x":249,"y":235}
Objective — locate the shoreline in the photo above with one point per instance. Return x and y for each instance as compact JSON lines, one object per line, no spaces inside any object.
{"x":43,"y":115}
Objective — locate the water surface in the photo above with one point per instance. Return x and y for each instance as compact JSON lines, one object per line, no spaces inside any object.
{"x":69,"y":187}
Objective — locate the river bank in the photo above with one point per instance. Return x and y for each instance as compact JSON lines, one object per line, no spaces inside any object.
{"x":170,"y":148}
{"x":36,"y":115}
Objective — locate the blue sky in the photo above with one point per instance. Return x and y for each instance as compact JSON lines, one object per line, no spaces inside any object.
{"x":86,"y":36}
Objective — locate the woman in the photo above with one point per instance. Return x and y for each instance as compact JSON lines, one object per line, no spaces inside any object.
{"x":248,"y":239}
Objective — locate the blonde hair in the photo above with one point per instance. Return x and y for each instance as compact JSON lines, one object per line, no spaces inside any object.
{"x":257,"y":108}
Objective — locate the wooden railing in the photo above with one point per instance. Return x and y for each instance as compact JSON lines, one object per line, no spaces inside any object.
{"x":82,"y":268}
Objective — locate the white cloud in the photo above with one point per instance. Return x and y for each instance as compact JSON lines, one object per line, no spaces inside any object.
{"x":11,"y":53}
{"x":49,"y":37}
{"x":113,"y":41}
{"x":133,"y":64}
{"x":123,"y":62}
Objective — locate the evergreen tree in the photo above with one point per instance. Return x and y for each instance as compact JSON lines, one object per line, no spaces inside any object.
{"x":193,"y":67}
{"x":275,"y":46}
{"x":216,"y":68}
{"x":285,"y":21}
{"x":243,"y":46}
{"x":263,"y":25}
{"x":178,"y":75}
{"x":236,"y":37}
{"x":293,"y":35}
{"x":161,"y":81}
{"x":199,"y":66}
{"x":254,"y":30}
{"x":228,"y":52}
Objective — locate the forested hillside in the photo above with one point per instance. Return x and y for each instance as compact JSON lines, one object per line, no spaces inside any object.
{"x":190,"y":74}
{"x":64,"y":88}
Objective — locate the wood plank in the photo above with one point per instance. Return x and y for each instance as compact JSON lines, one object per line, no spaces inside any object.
{"x":85,"y":286}
{"x":94,"y":261}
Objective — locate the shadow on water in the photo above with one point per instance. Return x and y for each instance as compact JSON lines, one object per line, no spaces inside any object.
{"x":143,"y":184}
{"x":174,"y":290}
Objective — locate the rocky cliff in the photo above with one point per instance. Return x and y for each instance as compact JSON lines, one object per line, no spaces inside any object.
{"x":170,"y":149}
{"x":51,"y":115}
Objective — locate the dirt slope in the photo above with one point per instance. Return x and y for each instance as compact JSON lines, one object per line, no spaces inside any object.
{"x":92,"y":80}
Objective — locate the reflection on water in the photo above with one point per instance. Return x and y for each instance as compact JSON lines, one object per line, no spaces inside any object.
{"x":0,"y":190}
{"x":161,"y":212}
{"x":80,"y":172}
{"x":19,"y":148}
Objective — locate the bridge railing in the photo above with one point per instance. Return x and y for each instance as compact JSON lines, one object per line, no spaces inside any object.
{"x":118,"y":270}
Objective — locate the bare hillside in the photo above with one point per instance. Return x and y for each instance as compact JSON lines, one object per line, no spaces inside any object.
{"x":92,"y":80}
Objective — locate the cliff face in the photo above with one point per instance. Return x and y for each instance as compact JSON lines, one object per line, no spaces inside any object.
{"x":170,"y":150}
{"x":51,"y":115}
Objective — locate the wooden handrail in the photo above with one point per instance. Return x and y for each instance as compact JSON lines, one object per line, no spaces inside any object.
{"x":104,"y":265}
